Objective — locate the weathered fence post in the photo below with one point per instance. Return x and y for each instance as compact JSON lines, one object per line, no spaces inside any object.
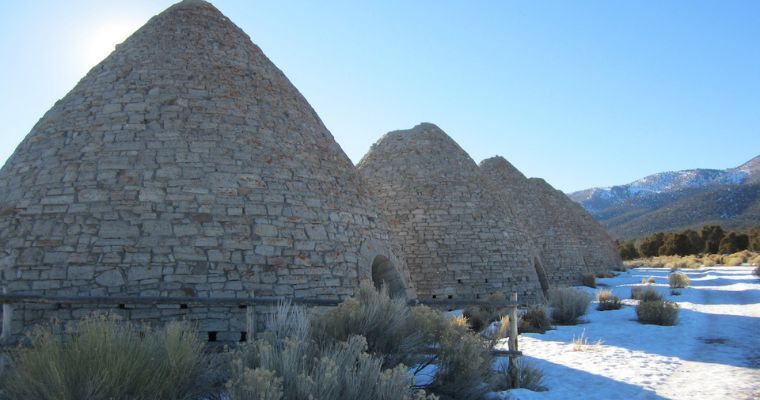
{"x":5,"y":330}
{"x":513,"y":350}
{"x":250,"y":321}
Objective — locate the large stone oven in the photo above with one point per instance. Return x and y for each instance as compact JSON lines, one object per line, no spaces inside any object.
{"x":186,"y":164}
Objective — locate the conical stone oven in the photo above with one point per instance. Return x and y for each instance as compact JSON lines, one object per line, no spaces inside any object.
{"x":459,"y":241}
{"x":569,"y":246}
{"x":186,"y":164}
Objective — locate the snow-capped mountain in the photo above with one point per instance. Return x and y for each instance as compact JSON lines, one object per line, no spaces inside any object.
{"x":628,"y":210}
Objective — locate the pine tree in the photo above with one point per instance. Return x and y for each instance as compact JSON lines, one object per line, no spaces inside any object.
{"x":675,"y":244}
{"x":712,"y":235}
{"x":650,"y":246}
{"x":696,"y":244}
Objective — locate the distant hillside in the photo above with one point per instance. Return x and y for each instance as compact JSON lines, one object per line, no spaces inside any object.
{"x":677,"y":200}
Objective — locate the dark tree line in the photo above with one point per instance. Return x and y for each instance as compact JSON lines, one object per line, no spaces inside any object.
{"x":711,"y":239}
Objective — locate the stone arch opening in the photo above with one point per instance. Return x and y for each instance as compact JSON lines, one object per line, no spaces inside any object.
{"x":384,"y":274}
{"x":542,"y":280}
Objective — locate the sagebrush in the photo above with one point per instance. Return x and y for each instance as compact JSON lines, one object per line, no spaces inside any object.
{"x":678,"y":280}
{"x":386,"y":323}
{"x":608,"y":301}
{"x":647,"y":293}
{"x":535,"y":319}
{"x":568,"y":304}
{"x":657,"y":312}
{"x":106,"y":359}
{"x":589,"y":280}
{"x":290,"y":361}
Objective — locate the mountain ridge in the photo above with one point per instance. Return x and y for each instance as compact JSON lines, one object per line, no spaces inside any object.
{"x":674,"y":200}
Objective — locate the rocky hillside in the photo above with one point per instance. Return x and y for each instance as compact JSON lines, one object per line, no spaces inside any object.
{"x":677,"y":200}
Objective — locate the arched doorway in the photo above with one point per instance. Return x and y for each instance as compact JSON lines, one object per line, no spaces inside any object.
{"x":384,"y":274}
{"x":541,"y":276}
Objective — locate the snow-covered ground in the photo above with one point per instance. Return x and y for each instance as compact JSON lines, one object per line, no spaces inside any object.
{"x":713,"y":352}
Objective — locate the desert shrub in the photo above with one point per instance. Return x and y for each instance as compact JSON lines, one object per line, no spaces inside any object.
{"x":755,"y":261}
{"x":657,"y":312}
{"x":109,"y":359}
{"x":710,"y":261}
{"x":464,"y":365}
{"x":678,"y":280}
{"x":254,"y":384}
{"x":477,"y":317}
{"x":386,"y":323}
{"x":428,"y":323}
{"x":608,"y":301}
{"x":298,"y":369}
{"x":732,"y":261}
{"x":588,"y":280}
{"x":288,"y":363}
{"x":531,"y":377}
{"x":645,"y":294}
{"x":756,"y":271}
{"x":568,"y":305}
{"x":534,"y":319}
{"x":648,"y":281}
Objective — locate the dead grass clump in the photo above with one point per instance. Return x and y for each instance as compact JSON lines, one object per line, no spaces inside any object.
{"x":588,"y":280}
{"x":530,"y":376}
{"x":568,"y":305}
{"x":460,"y":321}
{"x":582,"y":343}
{"x":678,"y":280}
{"x":645,"y":294}
{"x":658,"y":312}
{"x":608,"y":301}
{"x":109,"y":359}
{"x":477,"y":317}
{"x":535,"y":319}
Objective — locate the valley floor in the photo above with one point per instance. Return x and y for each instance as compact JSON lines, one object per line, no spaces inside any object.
{"x":713,"y":352}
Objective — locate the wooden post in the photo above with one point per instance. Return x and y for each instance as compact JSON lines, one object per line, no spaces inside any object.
{"x":250,"y":321}
{"x":513,"y":343}
{"x":5,"y":330}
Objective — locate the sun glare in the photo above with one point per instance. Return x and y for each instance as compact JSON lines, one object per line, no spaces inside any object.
{"x":100,"y":42}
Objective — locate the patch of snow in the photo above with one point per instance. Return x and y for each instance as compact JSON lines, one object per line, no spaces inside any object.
{"x":713,"y":352}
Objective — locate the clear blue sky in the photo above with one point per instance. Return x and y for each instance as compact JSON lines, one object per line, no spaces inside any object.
{"x":581,"y":93}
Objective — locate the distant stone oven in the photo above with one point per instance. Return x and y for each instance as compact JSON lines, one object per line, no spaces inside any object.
{"x":459,"y":241}
{"x":186,"y":164}
{"x":568,"y":244}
